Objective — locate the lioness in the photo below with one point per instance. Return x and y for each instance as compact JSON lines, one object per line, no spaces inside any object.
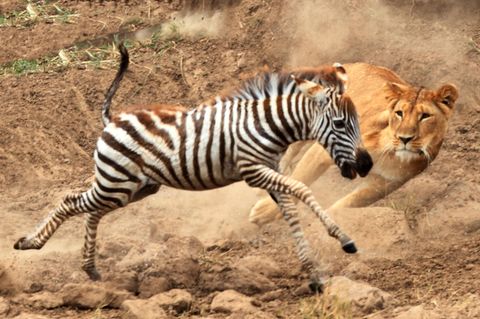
{"x":402,"y":127}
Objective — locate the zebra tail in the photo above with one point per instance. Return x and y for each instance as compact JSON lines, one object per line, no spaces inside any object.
{"x":106,"y":117}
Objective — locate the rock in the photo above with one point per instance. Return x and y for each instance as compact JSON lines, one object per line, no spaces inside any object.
{"x":127,"y":280}
{"x":142,"y":309}
{"x":6,"y":283}
{"x":177,"y":299}
{"x":153,"y":285}
{"x":260,"y":264}
{"x":272,"y":295}
{"x":230,"y":301}
{"x":363,"y":298}
{"x":92,"y":296}
{"x":140,"y":258}
{"x":303,"y":290}
{"x":418,"y":312}
{"x":42,"y":300}
{"x":181,"y":271}
{"x":356,"y":269}
{"x":241,"y":62}
{"x":237,"y":278}
{"x":4,"y":307}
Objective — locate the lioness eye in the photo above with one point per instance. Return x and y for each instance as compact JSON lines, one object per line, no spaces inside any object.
{"x":424,"y":116}
{"x":399,"y":113}
{"x":339,"y":124}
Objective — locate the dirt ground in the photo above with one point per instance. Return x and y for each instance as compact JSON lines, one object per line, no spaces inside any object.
{"x":421,"y":244}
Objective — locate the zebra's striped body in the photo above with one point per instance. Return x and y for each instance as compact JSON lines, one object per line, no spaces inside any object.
{"x":240,"y":136}
{"x":199,"y":149}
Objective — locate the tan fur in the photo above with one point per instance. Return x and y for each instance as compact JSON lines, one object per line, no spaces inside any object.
{"x":379,"y":96}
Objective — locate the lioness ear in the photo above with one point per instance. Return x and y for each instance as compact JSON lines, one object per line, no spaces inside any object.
{"x":309,"y":88}
{"x":397,"y":88}
{"x":342,"y":75}
{"x":447,"y":95}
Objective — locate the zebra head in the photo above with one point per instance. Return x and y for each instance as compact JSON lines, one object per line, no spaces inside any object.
{"x":334,"y":124}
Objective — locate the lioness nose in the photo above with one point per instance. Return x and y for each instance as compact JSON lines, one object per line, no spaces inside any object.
{"x":405,"y":139}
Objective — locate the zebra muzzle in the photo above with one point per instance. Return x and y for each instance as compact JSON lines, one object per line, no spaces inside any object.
{"x":364,"y":162}
{"x":361,"y":166}
{"x":348,"y":171}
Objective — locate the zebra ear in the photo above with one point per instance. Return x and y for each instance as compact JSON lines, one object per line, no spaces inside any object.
{"x":342,"y":75}
{"x":309,"y":88}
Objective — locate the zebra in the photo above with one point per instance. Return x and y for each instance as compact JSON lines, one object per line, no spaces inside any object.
{"x":237,"y":136}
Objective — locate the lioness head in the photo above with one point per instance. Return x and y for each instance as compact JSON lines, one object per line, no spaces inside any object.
{"x":418,"y":120}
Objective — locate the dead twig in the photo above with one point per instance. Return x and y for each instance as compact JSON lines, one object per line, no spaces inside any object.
{"x":182,"y":72}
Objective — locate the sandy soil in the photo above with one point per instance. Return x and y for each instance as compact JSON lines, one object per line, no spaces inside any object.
{"x":421,"y":244}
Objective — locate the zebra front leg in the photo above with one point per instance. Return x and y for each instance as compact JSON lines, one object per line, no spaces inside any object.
{"x":71,"y":205}
{"x":259,"y":175}
{"x":304,"y":252}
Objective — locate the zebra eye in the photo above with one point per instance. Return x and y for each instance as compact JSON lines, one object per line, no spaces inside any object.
{"x":399,"y":114}
{"x":338,"y":124}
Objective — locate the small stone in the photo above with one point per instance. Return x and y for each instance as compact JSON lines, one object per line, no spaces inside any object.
{"x":302,"y":290}
{"x":92,"y":296}
{"x":241,"y":62}
{"x":469,"y":266}
{"x":177,"y":299}
{"x":34,"y":287}
{"x":271,"y":295}
{"x":153,"y":285}
{"x":142,"y":309}
{"x":363,"y":298}
{"x":230,"y":301}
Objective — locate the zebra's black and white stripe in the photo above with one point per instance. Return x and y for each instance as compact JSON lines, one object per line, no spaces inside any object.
{"x":238,"y":136}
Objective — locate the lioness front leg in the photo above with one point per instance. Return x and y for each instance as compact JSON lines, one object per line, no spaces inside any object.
{"x":312,"y":165}
{"x":373,"y":188}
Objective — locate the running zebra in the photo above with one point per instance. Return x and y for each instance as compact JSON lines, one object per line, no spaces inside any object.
{"x":234,"y":137}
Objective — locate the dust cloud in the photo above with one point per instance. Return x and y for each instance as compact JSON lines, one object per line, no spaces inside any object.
{"x":392,"y":33}
{"x":195,"y":25}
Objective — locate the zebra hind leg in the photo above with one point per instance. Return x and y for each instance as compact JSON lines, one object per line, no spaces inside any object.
{"x":91,"y":225}
{"x":71,"y":205}
{"x":290,"y":215}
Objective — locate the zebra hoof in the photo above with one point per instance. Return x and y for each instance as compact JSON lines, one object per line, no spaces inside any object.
{"x":349,"y":247}
{"x":93,"y":274}
{"x":24,"y":244}
{"x":316,"y":287}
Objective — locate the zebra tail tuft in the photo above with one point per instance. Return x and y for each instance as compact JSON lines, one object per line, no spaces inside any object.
{"x":124,"y":60}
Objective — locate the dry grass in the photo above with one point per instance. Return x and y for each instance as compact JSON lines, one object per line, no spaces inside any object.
{"x":34,"y":13}
{"x":325,"y":306}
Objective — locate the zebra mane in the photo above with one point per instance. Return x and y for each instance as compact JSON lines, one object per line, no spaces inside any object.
{"x":266,"y":84}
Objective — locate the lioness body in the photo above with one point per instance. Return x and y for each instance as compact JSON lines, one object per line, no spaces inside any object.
{"x":402,"y":127}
